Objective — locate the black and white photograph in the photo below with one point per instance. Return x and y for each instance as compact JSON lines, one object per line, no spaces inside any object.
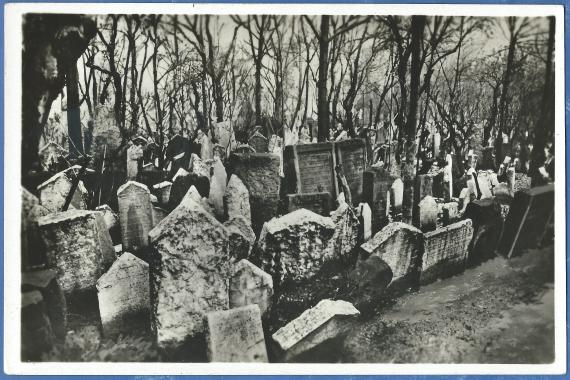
{"x":277,"y":184}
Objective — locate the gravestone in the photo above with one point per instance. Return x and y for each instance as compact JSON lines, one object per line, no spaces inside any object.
{"x":32,"y":251}
{"x":181,"y":256}
{"x":54,"y":191}
{"x":36,"y":331}
{"x":351,"y":154}
{"x":46,"y":283}
{"x":250,"y":285}
{"x":428,"y":209}
{"x":134,"y":155}
{"x":182,"y":182}
{"x":111,"y":221}
{"x":295,"y":246}
{"x":345,"y":238}
{"x":327,"y":320}
{"x":484,"y":184}
{"x":78,"y":246}
{"x":400,"y":246}
{"x":375,"y":189}
{"x":445,"y":251}
{"x":259,"y":143}
{"x":526,"y":222}
{"x":366,"y":220}
{"x":511,"y":179}
{"x":396,"y":198}
{"x":206,"y":148}
{"x":218,"y":183}
{"x":162,"y":191}
{"x":487,"y":159}
{"x":422,"y":187}
{"x":123,"y":294}
{"x":487,"y":227}
{"x":224,"y":133}
{"x":320,"y":203}
{"x":236,"y":200}
{"x":158,"y":213}
{"x":450,"y":211}
{"x":259,"y":173}
{"x":200,"y":167}
{"x":367,"y":281}
{"x":235,"y":335}
{"x":135,"y":214}
{"x":310,"y":168}
{"x":241,"y":237}
{"x":49,"y":155}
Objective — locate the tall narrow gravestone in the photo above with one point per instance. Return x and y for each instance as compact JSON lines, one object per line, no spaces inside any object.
{"x":236,"y":200}
{"x":189,"y":272}
{"x":445,"y":251}
{"x":135,"y":214}
{"x":527,"y":219}
{"x":78,"y":245}
{"x":235,"y":335}
{"x":376,"y":185}
{"x":123,"y":294}
{"x":396,"y":198}
{"x":352,"y":155}
{"x":422,"y":187}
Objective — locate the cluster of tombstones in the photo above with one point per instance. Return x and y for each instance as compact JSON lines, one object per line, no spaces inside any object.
{"x":197,"y":257}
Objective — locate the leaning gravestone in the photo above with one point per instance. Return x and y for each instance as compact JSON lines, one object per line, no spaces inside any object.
{"x":487,"y":227}
{"x":351,"y":154}
{"x":181,"y":182}
{"x":236,"y":200}
{"x":400,"y":246}
{"x":375,"y":190}
{"x":241,"y":237}
{"x":427,"y":214}
{"x":162,"y":191}
{"x":366,"y":220}
{"x":250,"y":285}
{"x":134,"y":155}
{"x":135,"y":214}
{"x":123,"y":294}
{"x":345,"y":238}
{"x":206,"y":148}
{"x":181,"y":256}
{"x":53,"y":193}
{"x":320,"y":203}
{"x":78,"y":245}
{"x":111,"y":221}
{"x":396,"y":198}
{"x":296,"y":245}
{"x":259,"y":143}
{"x":235,"y":335}
{"x":528,"y":217}
{"x":327,"y":320}
{"x":445,"y":251}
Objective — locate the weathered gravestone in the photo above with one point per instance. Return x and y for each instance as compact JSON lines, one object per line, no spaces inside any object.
{"x":450,"y":212}
{"x":235,"y":335}
{"x":445,"y":251}
{"x":526,"y":222}
{"x":250,"y":285}
{"x":241,"y":237}
{"x":78,"y":245}
{"x":181,"y":182}
{"x":259,"y":143}
{"x":259,"y":173}
{"x":367,"y":281}
{"x":400,"y":246}
{"x":427,"y":214}
{"x":224,"y":133}
{"x":123,"y":294}
{"x":365,"y":220}
{"x":487,"y":227}
{"x":310,"y":168}
{"x":49,"y":155}
{"x":422,"y":188}
{"x":46,"y":283}
{"x":54,"y":191}
{"x":206,"y":148}
{"x":351,"y":154}
{"x":345,"y":238}
{"x":189,"y":247}
{"x":320,"y":203}
{"x":135,"y":213}
{"x":327,"y":320}
{"x":162,"y":191}
{"x":111,"y":221}
{"x":218,"y":182}
{"x":375,"y":190}
{"x":134,"y":155}
{"x":36,"y":332}
{"x":396,"y":198}
{"x":236,"y":200}
{"x":296,"y":245}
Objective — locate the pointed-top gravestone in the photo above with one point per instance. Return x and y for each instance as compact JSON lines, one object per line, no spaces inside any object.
{"x":250,"y":285}
{"x":135,"y":214}
{"x":259,"y":143}
{"x":123,"y":294}
{"x":236,"y":199}
{"x":54,"y":191}
{"x":206,"y":150}
{"x":199,"y":167}
{"x":134,"y":154}
{"x":241,"y":237}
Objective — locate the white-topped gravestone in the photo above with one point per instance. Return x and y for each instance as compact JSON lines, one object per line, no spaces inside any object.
{"x":135,"y":214}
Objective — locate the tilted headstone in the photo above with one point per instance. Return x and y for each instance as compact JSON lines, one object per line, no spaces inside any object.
{"x":366,"y":220}
{"x":259,"y":142}
{"x":427,"y":214}
{"x":396,"y":198}
{"x":352,"y":155}
{"x":445,"y":251}
{"x":368,"y":280}
{"x":235,"y":335}
{"x":400,"y":246}
{"x":162,"y":191}
{"x":111,"y":221}
{"x":320,"y":203}
{"x":200,"y":167}
{"x":236,"y":200}
{"x":181,"y":182}
{"x":134,"y":154}
{"x":224,"y":132}
{"x":327,"y":320}
{"x":526,"y":222}
{"x":46,"y":283}
{"x":181,"y":256}
{"x":345,"y":238}
{"x":241,"y":237}
{"x":54,"y":191}
{"x":218,"y":183}
{"x":295,"y":245}
{"x":487,"y":227}
{"x":375,"y":188}
{"x":135,"y":214}
{"x":78,"y":246}
{"x":206,"y":149}
{"x":123,"y":294}
{"x":36,"y":331}
{"x":259,"y":173}
{"x":250,"y":285}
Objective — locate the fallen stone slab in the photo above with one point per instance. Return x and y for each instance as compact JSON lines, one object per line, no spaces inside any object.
{"x":236,"y":335}
{"x":250,"y":285}
{"x":327,"y":320}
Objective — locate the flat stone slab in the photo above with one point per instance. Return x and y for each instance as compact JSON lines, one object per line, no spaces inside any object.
{"x":236,"y":335}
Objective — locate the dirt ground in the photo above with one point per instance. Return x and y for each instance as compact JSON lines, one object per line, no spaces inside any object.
{"x":499,"y":312}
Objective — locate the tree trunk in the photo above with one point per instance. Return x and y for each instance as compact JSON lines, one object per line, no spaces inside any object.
{"x":73,"y":113}
{"x":322,"y":106}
